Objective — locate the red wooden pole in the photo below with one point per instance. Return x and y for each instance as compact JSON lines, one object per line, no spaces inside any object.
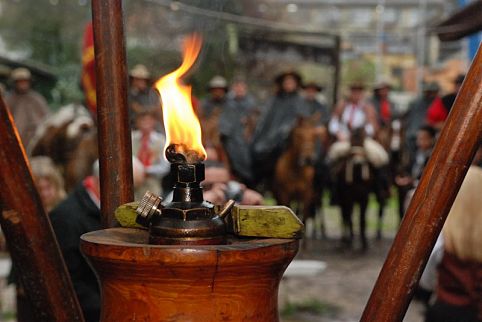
{"x":30,"y":238}
{"x":115,"y":150}
{"x":431,"y":203}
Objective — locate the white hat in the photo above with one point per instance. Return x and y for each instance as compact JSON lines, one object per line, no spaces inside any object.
{"x":218,"y":82}
{"x":21,"y":73}
{"x":140,"y":71}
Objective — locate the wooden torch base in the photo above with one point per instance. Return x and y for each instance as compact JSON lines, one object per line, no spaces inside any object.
{"x":206,"y":283}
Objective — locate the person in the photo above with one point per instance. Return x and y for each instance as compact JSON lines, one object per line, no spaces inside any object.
{"x":416,"y":116}
{"x":311,"y":91}
{"x":384,"y":107}
{"x":278,"y":120}
{"x":211,"y":108}
{"x":141,"y":96}
{"x":216,"y":100}
{"x":449,"y":99}
{"x":458,"y":261}
{"x":50,"y":187}
{"x":355,"y":112}
{"x":148,"y":148}
{"x":236,"y":118}
{"x":29,"y":109}
{"x":48,"y":180}
{"x":219,"y":186}
{"x":411,"y":172}
{"x":73,"y":217}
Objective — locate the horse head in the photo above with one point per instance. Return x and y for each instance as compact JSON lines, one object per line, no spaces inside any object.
{"x":305,"y":139}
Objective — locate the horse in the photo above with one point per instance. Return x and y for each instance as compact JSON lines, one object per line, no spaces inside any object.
{"x":294,"y":172}
{"x":353,"y":176}
{"x":69,"y":138}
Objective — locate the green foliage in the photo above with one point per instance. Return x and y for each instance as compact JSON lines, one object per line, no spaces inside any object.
{"x":358,"y":70}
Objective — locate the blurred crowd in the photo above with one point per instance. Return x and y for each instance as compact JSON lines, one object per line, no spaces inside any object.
{"x":293,"y":147}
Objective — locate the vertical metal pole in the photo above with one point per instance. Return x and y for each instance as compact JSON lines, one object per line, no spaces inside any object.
{"x":336,"y":76}
{"x":30,"y":238}
{"x":379,"y":10}
{"x":115,"y":150}
{"x":421,"y":38}
{"x":431,"y":203}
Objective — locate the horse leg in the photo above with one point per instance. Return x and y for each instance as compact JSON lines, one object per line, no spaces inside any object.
{"x":381,"y":210}
{"x":363,"y":209}
{"x":347,"y":212}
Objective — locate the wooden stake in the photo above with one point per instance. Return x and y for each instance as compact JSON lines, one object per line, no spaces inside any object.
{"x":431,"y":203}
{"x":30,"y":238}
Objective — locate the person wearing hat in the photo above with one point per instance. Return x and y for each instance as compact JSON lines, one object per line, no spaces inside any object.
{"x":211,"y":108}
{"x":352,"y":113}
{"x":278,"y":120}
{"x":311,"y":91}
{"x":29,"y":109}
{"x":449,"y":99}
{"x":141,"y":96}
{"x":416,"y":115}
{"x":240,"y":113}
{"x":216,"y":100}
{"x":384,"y":107}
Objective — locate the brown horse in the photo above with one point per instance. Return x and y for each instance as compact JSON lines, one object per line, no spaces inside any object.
{"x":69,"y":138}
{"x":294,"y":172}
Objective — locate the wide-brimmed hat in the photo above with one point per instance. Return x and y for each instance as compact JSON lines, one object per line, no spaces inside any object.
{"x":281,"y":77}
{"x":357,"y":85}
{"x":382,"y":84}
{"x":140,"y":71}
{"x":21,"y":73}
{"x":218,"y":82}
{"x":314,"y":85}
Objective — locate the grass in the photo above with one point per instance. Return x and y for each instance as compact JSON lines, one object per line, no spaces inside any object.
{"x":309,"y":306}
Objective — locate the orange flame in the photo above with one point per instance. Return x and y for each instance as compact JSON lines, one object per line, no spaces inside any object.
{"x":181,"y":123}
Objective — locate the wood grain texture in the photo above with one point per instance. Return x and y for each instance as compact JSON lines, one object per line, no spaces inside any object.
{"x":235,"y":282}
{"x":115,"y":148}
{"x":30,"y":238}
{"x":431,"y":203}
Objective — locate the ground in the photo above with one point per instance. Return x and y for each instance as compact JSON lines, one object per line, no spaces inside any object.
{"x":340,"y":292}
{"x":337,"y":294}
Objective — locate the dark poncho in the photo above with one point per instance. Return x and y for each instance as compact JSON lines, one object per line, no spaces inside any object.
{"x":275,"y":126}
{"x":231,"y":129}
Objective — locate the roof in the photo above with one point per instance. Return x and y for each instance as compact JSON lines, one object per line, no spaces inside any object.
{"x":463,"y":22}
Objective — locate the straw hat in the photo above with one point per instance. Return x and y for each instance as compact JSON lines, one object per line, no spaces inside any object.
{"x":218,"y":82}
{"x":21,"y":73}
{"x":140,"y":71}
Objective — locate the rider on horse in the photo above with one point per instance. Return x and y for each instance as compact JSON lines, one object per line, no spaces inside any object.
{"x":277,"y":122}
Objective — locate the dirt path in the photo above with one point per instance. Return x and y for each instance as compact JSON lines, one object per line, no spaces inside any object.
{"x":339,"y":293}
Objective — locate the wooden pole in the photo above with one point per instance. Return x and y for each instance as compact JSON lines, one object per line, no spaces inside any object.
{"x":431,"y":203}
{"x":115,"y":150}
{"x":30,"y":238}
{"x":336,"y":74}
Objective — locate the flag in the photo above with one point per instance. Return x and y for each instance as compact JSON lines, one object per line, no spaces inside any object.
{"x":88,"y":70}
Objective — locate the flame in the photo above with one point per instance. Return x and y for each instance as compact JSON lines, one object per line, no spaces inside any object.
{"x":181,"y":123}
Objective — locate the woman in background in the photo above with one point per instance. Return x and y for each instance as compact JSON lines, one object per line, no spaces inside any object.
{"x":48,"y":180}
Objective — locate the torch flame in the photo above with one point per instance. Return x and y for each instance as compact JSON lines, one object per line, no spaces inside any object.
{"x":183,"y":129}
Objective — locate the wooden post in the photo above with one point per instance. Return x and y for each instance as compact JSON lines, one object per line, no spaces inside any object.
{"x":115,"y":149}
{"x":30,"y":238}
{"x":431,"y":203}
